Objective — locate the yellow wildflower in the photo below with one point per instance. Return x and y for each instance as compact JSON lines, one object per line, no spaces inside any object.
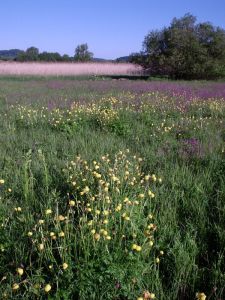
{"x":65,"y":266}
{"x":15,"y":286}
{"x":18,"y":209}
{"x":72,"y":203}
{"x":151,"y":243}
{"x":157,"y":260}
{"x":61,"y":234}
{"x":134,"y":247}
{"x":20,"y":271}
{"x":97,"y":236}
{"x":41,"y":247}
{"x":200,"y":296}
{"x":151,"y":194}
{"x":138,"y":248}
{"x":47,"y":288}
{"x":61,"y":218}
{"x":154,"y":177}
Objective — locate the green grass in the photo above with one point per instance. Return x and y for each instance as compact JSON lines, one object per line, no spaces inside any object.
{"x":173,"y":176}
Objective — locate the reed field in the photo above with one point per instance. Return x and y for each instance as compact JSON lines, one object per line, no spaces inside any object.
{"x":65,"y":69}
{"x":111,"y":189}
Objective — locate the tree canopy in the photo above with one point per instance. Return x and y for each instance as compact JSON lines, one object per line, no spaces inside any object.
{"x":82,"y":53}
{"x":184,"y":50}
{"x":32,"y":54}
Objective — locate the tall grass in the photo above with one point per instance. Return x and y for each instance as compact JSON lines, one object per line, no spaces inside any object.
{"x":115,"y":198}
{"x":68,"y":69}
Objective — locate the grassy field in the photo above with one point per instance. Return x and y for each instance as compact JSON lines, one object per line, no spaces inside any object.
{"x":112,"y":189}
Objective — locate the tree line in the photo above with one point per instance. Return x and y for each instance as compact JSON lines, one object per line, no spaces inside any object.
{"x":184,"y":50}
{"x":32,"y":54}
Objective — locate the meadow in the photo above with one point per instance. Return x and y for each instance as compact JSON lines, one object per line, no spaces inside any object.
{"x":112,"y":189}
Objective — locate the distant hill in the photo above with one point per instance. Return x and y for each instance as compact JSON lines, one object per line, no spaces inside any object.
{"x":123,"y":59}
{"x":9,"y":54}
{"x":102,"y":59}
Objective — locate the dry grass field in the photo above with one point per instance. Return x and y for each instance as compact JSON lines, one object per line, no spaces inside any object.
{"x":68,"y":69}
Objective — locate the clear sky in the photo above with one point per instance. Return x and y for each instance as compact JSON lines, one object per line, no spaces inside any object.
{"x":112,"y":28}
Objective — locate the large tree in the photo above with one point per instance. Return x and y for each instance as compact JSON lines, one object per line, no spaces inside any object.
{"x":82,"y":53}
{"x":185,"y":49}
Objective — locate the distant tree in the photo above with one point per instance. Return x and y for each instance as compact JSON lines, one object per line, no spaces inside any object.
{"x":55,"y":56}
{"x":66,"y":57}
{"x":82,"y":53}
{"x":44,"y":56}
{"x":32,"y":54}
{"x":184,"y":50}
{"x":50,"y":56}
{"x":21,"y":56}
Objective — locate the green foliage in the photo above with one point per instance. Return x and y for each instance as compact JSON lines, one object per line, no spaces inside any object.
{"x":184,"y":50}
{"x":50,"y":56}
{"x":82,"y":53}
{"x":32,"y":54}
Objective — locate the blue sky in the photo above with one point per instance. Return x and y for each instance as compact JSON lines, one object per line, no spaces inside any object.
{"x":112,"y":28}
